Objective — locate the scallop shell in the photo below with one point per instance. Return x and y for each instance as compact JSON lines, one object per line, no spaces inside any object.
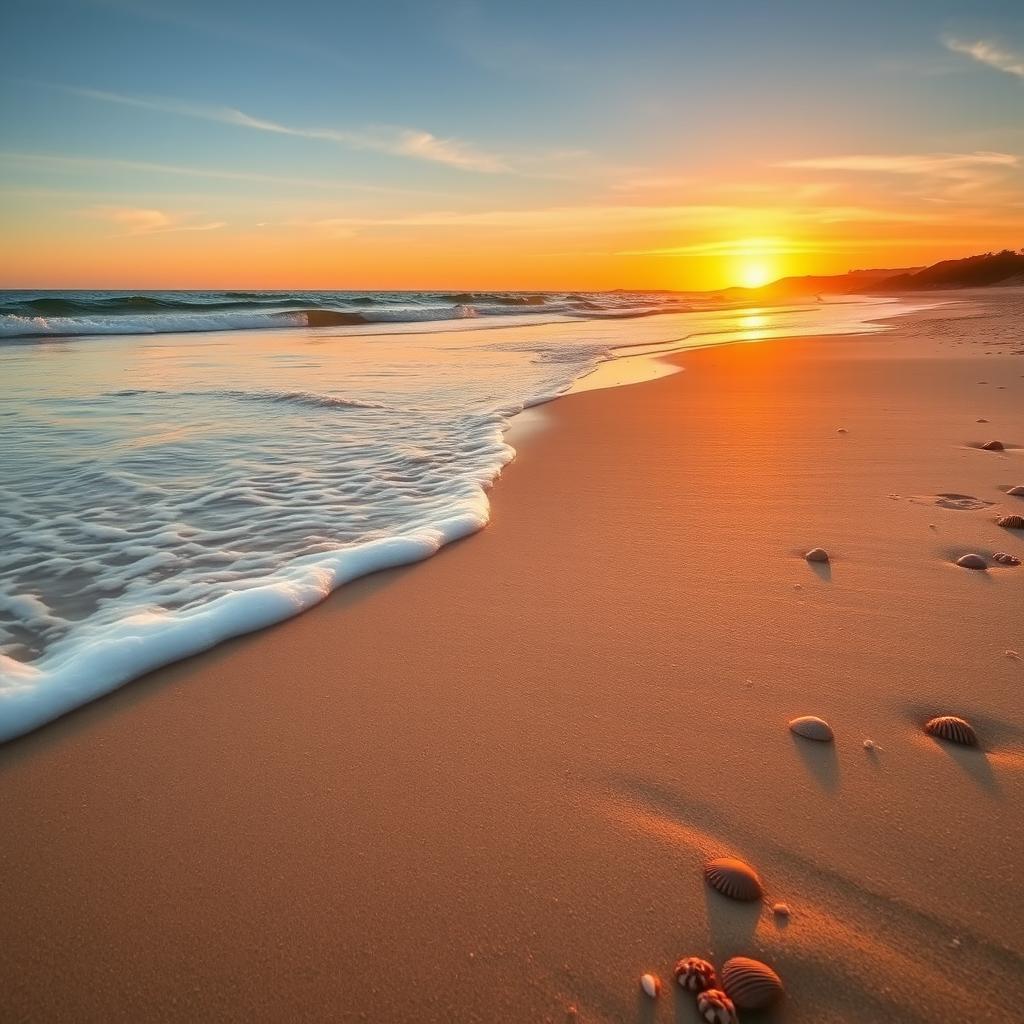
{"x":716,"y":1007}
{"x":817,"y":555}
{"x":695,"y":975}
{"x":812,"y":728}
{"x":956,"y":730}
{"x":651,"y":985}
{"x":750,"y":984}
{"x":1017,"y":491}
{"x":1013,"y":522}
{"x":993,"y":446}
{"x":1005,"y":558}
{"x":971,"y":561}
{"x":733,"y":878}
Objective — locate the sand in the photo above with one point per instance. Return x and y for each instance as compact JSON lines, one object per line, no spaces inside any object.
{"x":483,"y":788}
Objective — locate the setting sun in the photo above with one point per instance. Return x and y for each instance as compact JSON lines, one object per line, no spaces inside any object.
{"x":755,"y":273}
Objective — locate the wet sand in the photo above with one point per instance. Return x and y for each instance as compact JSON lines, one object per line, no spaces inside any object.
{"x":482,"y":788}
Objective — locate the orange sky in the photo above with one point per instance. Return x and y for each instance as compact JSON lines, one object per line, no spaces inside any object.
{"x":492,"y":147}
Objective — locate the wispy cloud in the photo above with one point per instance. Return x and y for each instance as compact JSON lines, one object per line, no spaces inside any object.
{"x":743,"y":247}
{"x":614,"y":218}
{"x":920,"y":163}
{"x":396,"y":141}
{"x":74,"y":163}
{"x":133,"y":220}
{"x":990,"y":53}
{"x":940,"y":177}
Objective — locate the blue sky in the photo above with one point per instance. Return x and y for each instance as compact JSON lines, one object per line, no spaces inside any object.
{"x":456,"y":132}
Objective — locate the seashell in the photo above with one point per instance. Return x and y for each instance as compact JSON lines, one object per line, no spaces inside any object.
{"x":812,"y":728}
{"x":716,"y":1007}
{"x":1013,"y":522}
{"x":782,"y":909}
{"x":953,"y":729}
{"x":1017,"y":491}
{"x":733,"y":878}
{"x":651,"y":985}
{"x":971,"y":561}
{"x":817,"y":555}
{"x":871,"y":745}
{"x":750,"y":984}
{"x":695,"y":975}
{"x":1005,"y":558}
{"x":992,"y":446}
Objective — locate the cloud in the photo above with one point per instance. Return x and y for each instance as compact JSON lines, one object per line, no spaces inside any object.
{"x":64,"y":162}
{"x":618,"y":217}
{"x":948,"y":164}
{"x":134,"y":220}
{"x":943,"y":177}
{"x":396,"y":141}
{"x":742,"y":247}
{"x":988,"y":53}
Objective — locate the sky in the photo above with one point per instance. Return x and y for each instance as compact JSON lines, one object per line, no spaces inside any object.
{"x":537,"y":145}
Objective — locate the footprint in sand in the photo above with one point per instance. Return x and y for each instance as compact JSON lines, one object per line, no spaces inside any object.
{"x":950,"y":500}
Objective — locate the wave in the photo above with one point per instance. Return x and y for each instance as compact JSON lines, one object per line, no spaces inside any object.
{"x":28,"y":315}
{"x":495,"y":299}
{"x":306,"y":398}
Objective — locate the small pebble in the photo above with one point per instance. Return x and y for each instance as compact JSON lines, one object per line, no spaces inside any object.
{"x":871,"y":745}
{"x":817,"y":555}
{"x":781,"y":909}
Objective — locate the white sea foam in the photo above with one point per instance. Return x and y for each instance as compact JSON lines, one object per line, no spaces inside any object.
{"x":159,"y":495}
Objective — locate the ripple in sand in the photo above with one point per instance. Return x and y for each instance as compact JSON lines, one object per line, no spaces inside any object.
{"x":812,"y":728}
{"x":817,"y":555}
{"x":952,"y":729}
{"x":1013,"y":522}
{"x":750,"y":984}
{"x":733,"y":878}
{"x":971,"y":561}
{"x":715,"y":1007}
{"x":695,"y":974}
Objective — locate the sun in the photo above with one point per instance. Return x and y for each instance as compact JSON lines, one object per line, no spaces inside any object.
{"x":754,"y":272}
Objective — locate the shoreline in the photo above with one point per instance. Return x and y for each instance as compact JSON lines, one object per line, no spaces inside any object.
{"x":38,"y":692}
{"x":481,"y":786}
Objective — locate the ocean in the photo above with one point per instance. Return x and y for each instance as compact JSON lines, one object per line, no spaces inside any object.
{"x":177,"y":468}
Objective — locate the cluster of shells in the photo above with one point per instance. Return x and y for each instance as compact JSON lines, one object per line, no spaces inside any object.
{"x":745,"y":984}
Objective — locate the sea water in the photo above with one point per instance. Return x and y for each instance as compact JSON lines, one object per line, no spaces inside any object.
{"x":177,"y":468}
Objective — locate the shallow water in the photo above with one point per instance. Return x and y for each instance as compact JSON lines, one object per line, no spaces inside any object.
{"x":163,"y":492}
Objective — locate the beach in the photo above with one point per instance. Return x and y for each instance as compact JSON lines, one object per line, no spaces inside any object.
{"x":483,"y":787}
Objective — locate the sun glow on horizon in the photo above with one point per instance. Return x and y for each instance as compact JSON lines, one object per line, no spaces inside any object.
{"x":755,"y":273}
{"x":756,"y":261}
